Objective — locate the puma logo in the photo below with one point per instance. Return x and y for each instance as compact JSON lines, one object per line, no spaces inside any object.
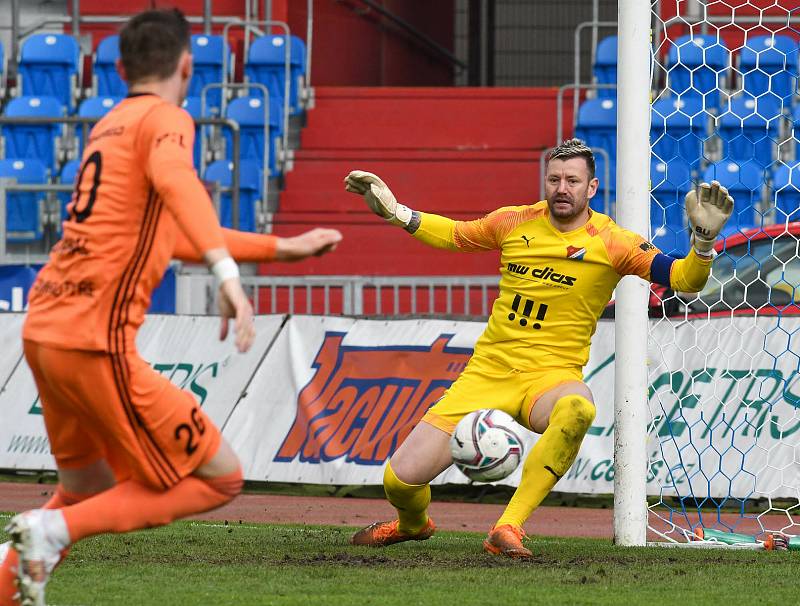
{"x":527,"y":241}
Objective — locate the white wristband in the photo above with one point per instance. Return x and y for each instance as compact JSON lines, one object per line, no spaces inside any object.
{"x":225,"y":269}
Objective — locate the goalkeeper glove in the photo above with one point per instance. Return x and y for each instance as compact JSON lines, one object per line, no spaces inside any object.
{"x":378,"y":196}
{"x":708,"y":208}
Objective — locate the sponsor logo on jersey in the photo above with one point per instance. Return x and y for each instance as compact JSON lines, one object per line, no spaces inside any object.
{"x":526,"y":310}
{"x":646,"y":246}
{"x":518,"y":269}
{"x":527,"y":240}
{"x":549,"y":274}
{"x":573,"y":252}
{"x":362,"y":402}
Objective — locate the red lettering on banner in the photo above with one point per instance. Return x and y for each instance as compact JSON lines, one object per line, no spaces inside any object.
{"x":364,"y":401}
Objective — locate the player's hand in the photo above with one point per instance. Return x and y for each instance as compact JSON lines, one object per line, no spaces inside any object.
{"x":314,"y":243}
{"x":708,"y":207}
{"x":234,"y":305}
{"x":378,"y":197}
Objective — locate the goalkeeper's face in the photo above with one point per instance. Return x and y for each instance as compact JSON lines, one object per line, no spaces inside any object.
{"x":569,"y":188}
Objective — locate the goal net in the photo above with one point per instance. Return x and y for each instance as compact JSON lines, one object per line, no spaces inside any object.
{"x":724,"y":388}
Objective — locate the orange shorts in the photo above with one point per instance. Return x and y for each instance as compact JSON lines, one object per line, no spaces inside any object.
{"x":99,"y":405}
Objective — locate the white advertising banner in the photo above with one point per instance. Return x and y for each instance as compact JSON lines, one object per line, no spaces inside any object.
{"x":186,"y":349}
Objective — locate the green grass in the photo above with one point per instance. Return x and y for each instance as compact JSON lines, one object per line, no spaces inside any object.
{"x":203,"y":564}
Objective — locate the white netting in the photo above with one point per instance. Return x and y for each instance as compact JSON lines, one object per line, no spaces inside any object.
{"x":723,"y":365}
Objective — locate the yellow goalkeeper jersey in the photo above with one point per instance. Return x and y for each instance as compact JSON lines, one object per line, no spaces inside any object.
{"x":554,"y":285}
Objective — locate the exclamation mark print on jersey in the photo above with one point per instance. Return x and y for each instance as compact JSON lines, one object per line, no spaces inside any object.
{"x":515,"y":307}
{"x":540,"y":316}
{"x":526,"y":312}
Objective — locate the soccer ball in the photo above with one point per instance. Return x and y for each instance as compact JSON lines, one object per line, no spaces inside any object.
{"x":486,"y":445}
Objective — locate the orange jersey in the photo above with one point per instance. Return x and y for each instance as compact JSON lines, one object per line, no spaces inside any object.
{"x":135,"y":191}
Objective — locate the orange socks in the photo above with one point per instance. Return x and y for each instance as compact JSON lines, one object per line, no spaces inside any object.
{"x":131,"y":505}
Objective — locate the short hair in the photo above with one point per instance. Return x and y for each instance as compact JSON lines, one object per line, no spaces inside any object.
{"x":573,"y":148}
{"x":151,"y":44}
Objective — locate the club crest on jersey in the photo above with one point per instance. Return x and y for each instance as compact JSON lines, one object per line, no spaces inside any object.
{"x":573,"y":252}
{"x":362,"y":402}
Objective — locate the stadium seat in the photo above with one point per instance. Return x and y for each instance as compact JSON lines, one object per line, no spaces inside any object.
{"x":769,"y":65}
{"x":193,"y":106}
{"x":678,"y":128}
{"x":94,"y":107}
{"x":669,"y":183}
{"x":598,"y":202}
{"x":745,"y":182}
{"x":250,"y":183}
{"x":33,"y":140}
{"x":786,"y":188}
{"x":605,"y":67}
{"x":597,"y":124}
{"x":749,"y":129}
{"x":208,"y":62}
{"x":697,"y":66}
{"x":49,"y":65}
{"x":67,"y":177}
{"x":24,"y":215}
{"x":266,"y":65}
{"x":250,"y":115}
{"x":107,"y":80}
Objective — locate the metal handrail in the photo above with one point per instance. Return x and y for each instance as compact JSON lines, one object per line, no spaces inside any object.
{"x":415,"y":34}
{"x":236,"y":157}
{"x":309,"y":37}
{"x":560,"y":101}
{"x":577,"y":59}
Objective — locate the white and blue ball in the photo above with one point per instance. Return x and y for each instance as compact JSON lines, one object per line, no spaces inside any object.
{"x":486,"y":445}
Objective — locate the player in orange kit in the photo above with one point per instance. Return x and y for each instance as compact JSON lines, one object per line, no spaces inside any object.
{"x":133,"y":450}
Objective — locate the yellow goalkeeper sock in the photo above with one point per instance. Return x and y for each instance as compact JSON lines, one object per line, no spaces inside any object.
{"x":550,"y":458}
{"x":410,"y":500}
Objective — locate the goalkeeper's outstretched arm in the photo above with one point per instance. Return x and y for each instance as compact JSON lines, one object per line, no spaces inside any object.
{"x":434,"y":230}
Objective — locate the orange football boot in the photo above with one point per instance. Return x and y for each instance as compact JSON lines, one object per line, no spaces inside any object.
{"x":507,"y":540}
{"x":381,"y":534}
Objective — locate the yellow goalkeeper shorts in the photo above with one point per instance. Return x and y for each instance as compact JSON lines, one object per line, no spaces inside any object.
{"x":487,"y":383}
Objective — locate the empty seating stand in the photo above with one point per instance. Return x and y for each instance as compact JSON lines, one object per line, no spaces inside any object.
{"x":210,"y":56}
{"x":605,"y":66}
{"x":107,"y":80}
{"x":266,"y":64}
{"x":698,"y":66}
{"x":769,"y":67}
{"x":33,"y":140}
{"x":251,"y":114}
{"x":678,"y":129}
{"x":669,"y":181}
{"x":49,"y":65}
{"x":24,"y":212}
{"x":748,"y":128}
{"x":94,"y":107}
{"x":786,"y":188}
{"x":250,"y":187}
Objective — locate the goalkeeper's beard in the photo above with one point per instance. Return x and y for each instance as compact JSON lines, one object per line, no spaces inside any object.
{"x":571,"y":207}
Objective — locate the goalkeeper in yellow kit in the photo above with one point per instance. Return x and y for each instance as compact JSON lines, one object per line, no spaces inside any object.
{"x":560,"y":262}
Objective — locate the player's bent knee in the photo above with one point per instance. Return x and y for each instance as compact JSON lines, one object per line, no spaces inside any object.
{"x":229,"y":486}
{"x":575,"y":411}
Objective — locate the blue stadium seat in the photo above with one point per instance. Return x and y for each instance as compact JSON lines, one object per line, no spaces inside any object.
{"x":266,"y":65}
{"x":597,"y":124}
{"x":193,"y":105}
{"x":33,"y":141}
{"x":109,"y":84}
{"x":769,"y":65}
{"x":250,"y":182}
{"x":94,"y":107}
{"x":669,"y":182}
{"x":697,"y":66}
{"x":208,"y":61}
{"x":749,"y":129}
{"x":678,"y":128}
{"x":67,"y":177}
{"x":605,"y":66}
{"x":745,"y":182}
{"x":598,"y":202}
{"x":786,"y":187}
{"x":249,"y":113}
{"x":24,"y":212}
{"x":49,"y":65}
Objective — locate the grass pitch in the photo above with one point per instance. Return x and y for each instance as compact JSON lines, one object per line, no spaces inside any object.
{"x":191,"y":563}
